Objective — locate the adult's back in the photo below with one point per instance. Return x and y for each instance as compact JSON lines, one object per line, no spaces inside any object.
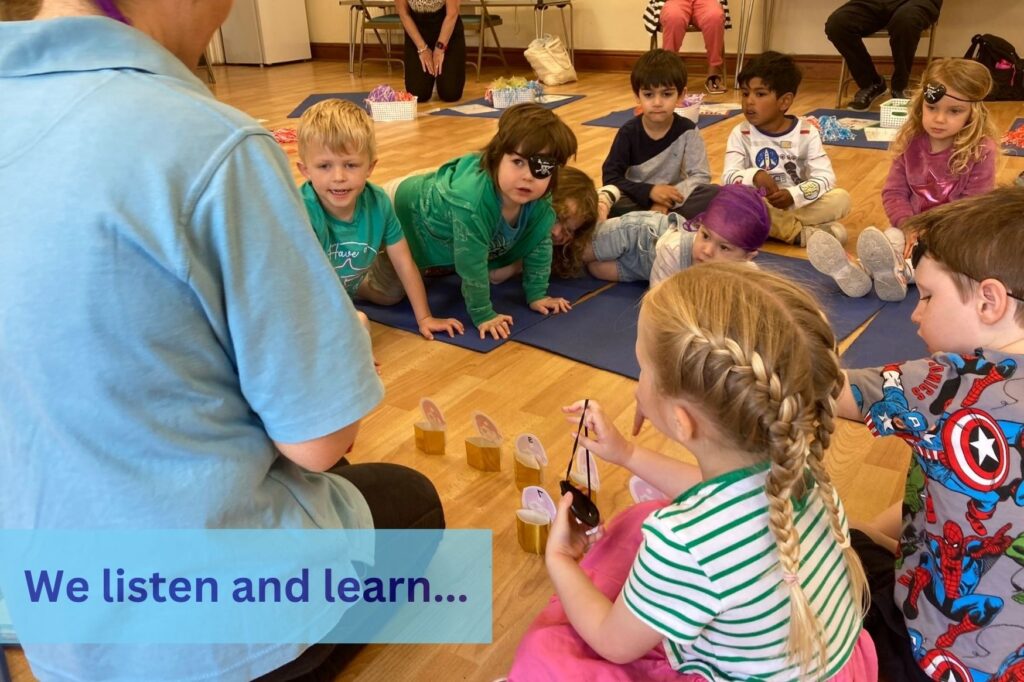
{"x":168,"y":324}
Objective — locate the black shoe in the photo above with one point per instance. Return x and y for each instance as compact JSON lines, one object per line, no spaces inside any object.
{"x":901,"y":94}
{"x":864,"y":98}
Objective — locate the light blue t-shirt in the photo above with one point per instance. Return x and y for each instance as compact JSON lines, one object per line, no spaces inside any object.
{"x":157,"y":319}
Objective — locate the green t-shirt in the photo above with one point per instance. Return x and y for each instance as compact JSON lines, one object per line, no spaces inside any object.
{"x":352,"y":246}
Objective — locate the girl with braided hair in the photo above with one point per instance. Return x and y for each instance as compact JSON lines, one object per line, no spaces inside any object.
{"x":747,"y":571}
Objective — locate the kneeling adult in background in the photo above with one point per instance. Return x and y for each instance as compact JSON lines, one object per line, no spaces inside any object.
{"x":435,"y":48}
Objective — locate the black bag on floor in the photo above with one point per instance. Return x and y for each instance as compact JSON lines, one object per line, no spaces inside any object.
{"x":1000,"y":58}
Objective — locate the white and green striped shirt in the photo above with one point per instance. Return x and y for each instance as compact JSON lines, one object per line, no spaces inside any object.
{"x":708,"y":578}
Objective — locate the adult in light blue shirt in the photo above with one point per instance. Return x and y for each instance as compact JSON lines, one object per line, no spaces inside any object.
{"x":175,"y":351}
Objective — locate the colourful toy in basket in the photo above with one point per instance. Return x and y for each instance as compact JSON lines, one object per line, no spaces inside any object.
{"x":1015,"y":138}
{"x":504,"y":92}
{"x":387,"y":104}
{"x":690,"y":107}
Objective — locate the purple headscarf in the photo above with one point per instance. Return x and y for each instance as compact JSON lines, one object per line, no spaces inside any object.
{"x":738,"y":215}
{"x":109,"y":8}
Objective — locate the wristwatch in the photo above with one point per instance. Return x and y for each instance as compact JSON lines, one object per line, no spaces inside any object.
{"x":440,"y":46}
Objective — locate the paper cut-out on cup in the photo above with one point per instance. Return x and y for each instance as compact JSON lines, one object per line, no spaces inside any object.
{"x":642,"y":491}
{"x":486,"y":427}
{"x":430,"y":433}
{"x":529,"y":460}
{"x":483,"y":452}
{"x":533,"y":521}
{"x":529,"y":444}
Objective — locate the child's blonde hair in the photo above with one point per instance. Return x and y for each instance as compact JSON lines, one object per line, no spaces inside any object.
{"x":974,"y":82}
{"x":755,"y":352}
{"x":340,"y":126}
{"x":576,"y":186}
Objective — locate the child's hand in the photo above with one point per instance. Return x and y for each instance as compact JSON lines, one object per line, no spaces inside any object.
{"x":549,"y":304}
{"x":428,"y":325}
{"x":763,"y":180}
{"x":660,"y":208}
{"x":603,"y":210}
{"x":780,"y":199}
{"x":666,"y":194}
{"x":568,"y":538}
{"x":605,"y":441}
{"x":499,"y":327}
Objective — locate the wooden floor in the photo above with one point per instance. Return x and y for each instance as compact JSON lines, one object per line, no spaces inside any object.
{"x":521,"y":387}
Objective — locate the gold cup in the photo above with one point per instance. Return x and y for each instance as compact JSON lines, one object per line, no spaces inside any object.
{"x":483,"y":454}
{"x":532,"y":530}
{"x":428,"y":439}
{"x":580,"y":481}
{"x":527,"y":470}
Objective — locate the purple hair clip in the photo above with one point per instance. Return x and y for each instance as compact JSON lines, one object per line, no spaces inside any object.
{"x":109,"y":8}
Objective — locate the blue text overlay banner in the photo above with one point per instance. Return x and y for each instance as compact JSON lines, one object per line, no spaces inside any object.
{"x":247,"y":586}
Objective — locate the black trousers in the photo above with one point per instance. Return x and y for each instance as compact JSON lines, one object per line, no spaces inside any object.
{"x":884,"y":620}
{"x":905,"y":20}
{"x":452,"y":79}
{"x":398,"y":497}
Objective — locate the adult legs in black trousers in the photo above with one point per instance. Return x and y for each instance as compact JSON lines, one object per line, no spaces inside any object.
{"x":452,"y":79}
{"x":398,"y":497}
{"x":904,"y":19}
{"x":908,"y":22}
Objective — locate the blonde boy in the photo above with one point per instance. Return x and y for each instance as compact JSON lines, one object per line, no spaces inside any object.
{"x":352,"y":217}
{"x":953,"y":603}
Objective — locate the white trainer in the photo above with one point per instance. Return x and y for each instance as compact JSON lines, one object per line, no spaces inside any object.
{"x":883,"y":263}
{"x":828,"y":257}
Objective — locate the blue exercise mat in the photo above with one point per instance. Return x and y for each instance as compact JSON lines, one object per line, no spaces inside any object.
{"x":601,"y":331}
{"x":357,"y":98}
{"x":844,"y":313}
{"x":496,"y":113}
{"x":617,"y":119}
{"x":444,"y":295}
{"x":891,"y":337}
{"x":860,"y":139}
{"x":1009,"y":149}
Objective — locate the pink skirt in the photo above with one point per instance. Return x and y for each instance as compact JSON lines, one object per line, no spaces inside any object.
{"x":551,"y":649}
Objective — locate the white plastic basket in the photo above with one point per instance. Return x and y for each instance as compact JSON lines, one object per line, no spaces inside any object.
{"x":506,"y":97}
{"x":691,"y":112}
{"x":894,"y":113}
{"x":393,"y":111}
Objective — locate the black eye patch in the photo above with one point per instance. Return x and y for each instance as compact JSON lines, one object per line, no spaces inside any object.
{"x":542,"y":166}
{"x":933,"y":92}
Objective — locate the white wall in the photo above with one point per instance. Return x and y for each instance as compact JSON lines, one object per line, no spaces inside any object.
{"x":798,"y":26}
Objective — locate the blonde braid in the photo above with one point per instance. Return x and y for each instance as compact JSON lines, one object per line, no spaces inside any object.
{"x":755,"y":352}
{"x":789,"y":443}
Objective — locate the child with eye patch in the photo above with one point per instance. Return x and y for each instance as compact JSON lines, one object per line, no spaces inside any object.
{"x":944,"y":152}
{"x":487,"y":210}
{"x":647,"y":245}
